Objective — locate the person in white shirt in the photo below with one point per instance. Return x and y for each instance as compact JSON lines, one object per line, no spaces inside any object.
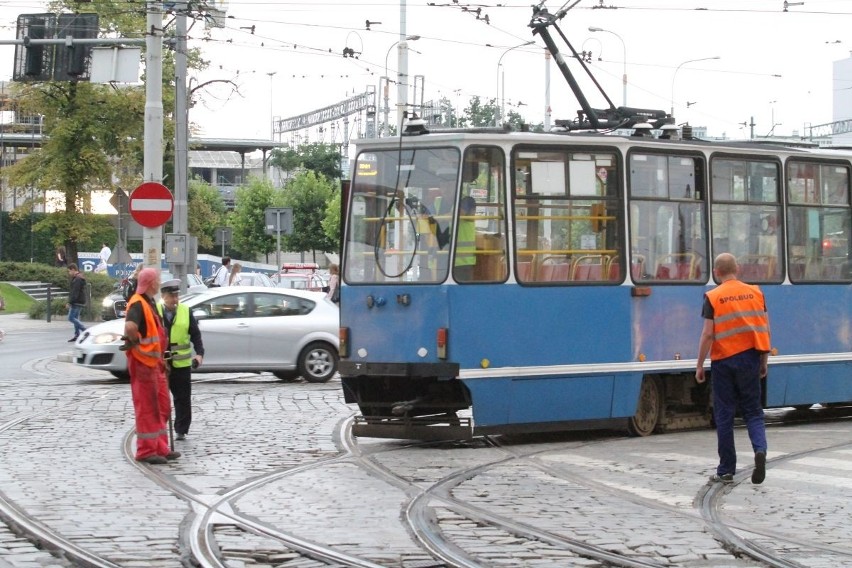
{"x":221,"y":276}
{"x":103,"y":258}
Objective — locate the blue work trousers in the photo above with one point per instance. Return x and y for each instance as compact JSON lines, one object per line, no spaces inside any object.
{"x":74,"y":318}
{"x":736,"y":383}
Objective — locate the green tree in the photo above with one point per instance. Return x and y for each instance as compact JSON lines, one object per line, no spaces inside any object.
{"x":331,"y":221}
{"x":446,"y":114}
{"x":515,"y":120}
{"x":90,"y":137}
{"x":95,"y":133}
{"x":248,"y":217}
{"x":308,"y":194}
{"x":317,"y":157}
{"x":479,"y":114}
{"x":206,"y":212}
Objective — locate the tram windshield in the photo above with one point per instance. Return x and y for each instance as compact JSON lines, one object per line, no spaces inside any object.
{"x":401,"y":215}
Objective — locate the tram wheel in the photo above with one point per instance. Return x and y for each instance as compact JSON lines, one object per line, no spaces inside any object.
{"x":648,"y":410}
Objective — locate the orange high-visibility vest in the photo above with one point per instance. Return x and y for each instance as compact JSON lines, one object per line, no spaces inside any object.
{"x":147,"y":351}
{"x":740,"y":321}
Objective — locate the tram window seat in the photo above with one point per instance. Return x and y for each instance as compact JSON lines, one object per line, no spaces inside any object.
{"x":554,"y":269}
{"x":680,"y":266}
{"x":804,"y":268}
{"x":676,"y":271}
{"x":590,"y":267}
{"x":834,"y":268}
{"x":637,"y":267}
{"x":524,"y":271}
{"x":490,"y":261}
{"x":757,"y":267}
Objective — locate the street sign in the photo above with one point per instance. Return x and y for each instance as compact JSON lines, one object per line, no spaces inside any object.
{"x":151,"y":204}
{"x":279,"y":220}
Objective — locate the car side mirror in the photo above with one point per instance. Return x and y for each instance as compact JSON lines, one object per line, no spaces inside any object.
{"x":200,"y":314}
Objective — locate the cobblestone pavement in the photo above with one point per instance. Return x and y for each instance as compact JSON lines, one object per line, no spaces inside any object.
{"x":272,"y":452}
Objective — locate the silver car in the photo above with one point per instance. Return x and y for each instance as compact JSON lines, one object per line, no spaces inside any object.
{"x":246,"y":328}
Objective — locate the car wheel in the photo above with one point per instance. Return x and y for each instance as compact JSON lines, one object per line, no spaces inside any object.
{"x":121,"y":375}
{"x":286,"y":376}
{"x":318,"y":362}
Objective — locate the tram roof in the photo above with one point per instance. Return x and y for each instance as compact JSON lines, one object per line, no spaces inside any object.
{"x":494,"y":134}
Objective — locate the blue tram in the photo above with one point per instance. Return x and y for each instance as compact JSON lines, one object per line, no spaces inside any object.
{"x":497,"y":281}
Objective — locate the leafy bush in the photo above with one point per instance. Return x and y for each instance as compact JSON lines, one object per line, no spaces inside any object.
{"x":101,"y":285}
{"x":58,"y":309}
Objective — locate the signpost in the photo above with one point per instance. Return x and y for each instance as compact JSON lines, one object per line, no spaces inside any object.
{"x":151,"y":204}
{"x":278,"y":220}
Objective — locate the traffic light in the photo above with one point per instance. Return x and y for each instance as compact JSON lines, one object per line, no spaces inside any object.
{"x":72,"y":60}
{"x":34,"y":57}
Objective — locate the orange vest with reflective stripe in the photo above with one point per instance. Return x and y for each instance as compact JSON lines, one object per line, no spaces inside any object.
{"x":148,"y":350}
{"x":740,"y":321}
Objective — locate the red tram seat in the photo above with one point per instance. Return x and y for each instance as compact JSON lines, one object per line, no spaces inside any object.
{"x":524,"y":271}
{"x":554,"y":269}
{"x":681,"y":266}
{"x":756,"y":267}
{"x":588,"y":267}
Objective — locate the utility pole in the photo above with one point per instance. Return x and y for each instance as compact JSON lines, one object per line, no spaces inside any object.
{"x":180,"y":215}
{"x":402,"y":76}
{"x":152,"y":238}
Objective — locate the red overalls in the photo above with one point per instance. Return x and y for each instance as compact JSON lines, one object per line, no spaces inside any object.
{"x":149,"y":386}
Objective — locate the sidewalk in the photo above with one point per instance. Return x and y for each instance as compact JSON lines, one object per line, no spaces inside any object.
{"x":18,"y":322}
{"x":12,"y":323}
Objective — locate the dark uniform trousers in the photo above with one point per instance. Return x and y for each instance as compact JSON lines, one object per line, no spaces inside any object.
{"x":179,"y":384}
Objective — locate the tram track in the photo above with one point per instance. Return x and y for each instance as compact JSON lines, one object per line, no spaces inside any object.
{"x":44,"y":537}
{"x":730,"y":532}
{"x":420,"y":518}
{"x":430,"y":508}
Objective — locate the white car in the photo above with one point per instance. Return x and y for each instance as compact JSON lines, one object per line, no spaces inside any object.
{"x":256,"y":279}
{"x":246,"y":328}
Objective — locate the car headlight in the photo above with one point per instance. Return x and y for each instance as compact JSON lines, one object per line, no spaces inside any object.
{"x":103,"y":338}
{"x":107,"y":302}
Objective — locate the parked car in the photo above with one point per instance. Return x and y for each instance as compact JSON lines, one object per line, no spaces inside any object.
{"x":256,"y":279}
{"x":113,"y":306}
{"x":244,"y":328}
{"x":313,"y":282}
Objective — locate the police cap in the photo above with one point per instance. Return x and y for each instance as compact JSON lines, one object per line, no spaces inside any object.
{"x":170,"y":286}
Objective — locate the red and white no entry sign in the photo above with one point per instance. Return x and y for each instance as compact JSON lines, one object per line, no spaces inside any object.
{"x":151,"y":204}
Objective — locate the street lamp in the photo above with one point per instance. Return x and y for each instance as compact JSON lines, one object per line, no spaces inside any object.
{"x":499,"y":115}
{"x":271,"y":100}
{"x":387,"y":80}
{"x":623,"y":59}
{"x":678,"y":69}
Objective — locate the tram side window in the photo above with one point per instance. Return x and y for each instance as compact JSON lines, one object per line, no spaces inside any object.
{"x":567,"y":216}
{"x":480,"y":254}
{"x":746,"y":210}
{"x":401,"y":214}
{"x":818,"y":222}
{"x":667,"y":218}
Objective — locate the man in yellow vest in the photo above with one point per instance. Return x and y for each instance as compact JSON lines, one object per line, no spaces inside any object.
{"x":145,"y":345}
{"x":184,"y":337}
{"x":736,"y":335}
{"x":465,"y":241}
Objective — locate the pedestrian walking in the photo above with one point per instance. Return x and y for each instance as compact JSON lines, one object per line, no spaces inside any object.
{"x":60,"y":258}
{"x":145,"y":345}
{"x":76,"y":300}
{"x":103,"y":258}
{"x":221,"y":276}
{"x":736,"y":335}
{"x":333,"y":292}
{"x":235,"y":279}
{"x":184,"y":338}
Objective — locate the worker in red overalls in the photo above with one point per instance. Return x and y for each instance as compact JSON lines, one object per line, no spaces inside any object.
{"x":146,"y":343}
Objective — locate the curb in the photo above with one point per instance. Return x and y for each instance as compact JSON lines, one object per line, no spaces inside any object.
{"x":66,"y":357}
